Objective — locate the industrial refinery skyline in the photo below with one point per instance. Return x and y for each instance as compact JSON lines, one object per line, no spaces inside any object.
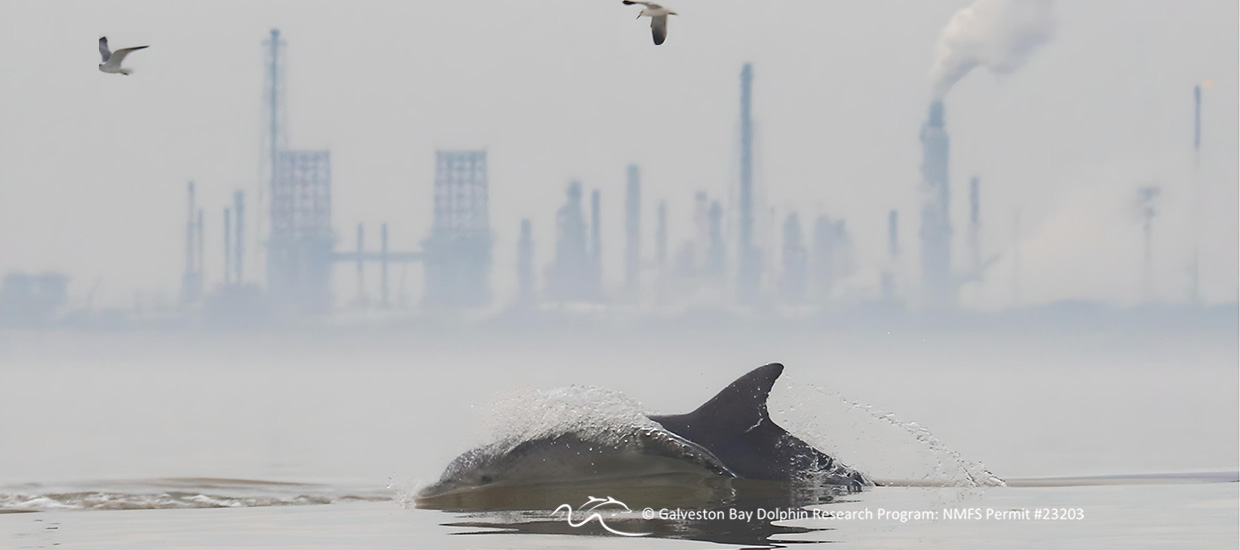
{"x":1066,"y":167}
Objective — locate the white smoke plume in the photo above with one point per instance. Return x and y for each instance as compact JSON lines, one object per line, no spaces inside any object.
{"x":996,"y":34}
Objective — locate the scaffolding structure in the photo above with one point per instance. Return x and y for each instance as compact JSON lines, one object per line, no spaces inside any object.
{"x":299,"y":249}
{"x":458,"y":252}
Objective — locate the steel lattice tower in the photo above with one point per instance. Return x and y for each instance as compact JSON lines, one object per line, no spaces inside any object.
{"x":299,"y":250}
{"x":458,"y":252}
{"x":275,"y":115}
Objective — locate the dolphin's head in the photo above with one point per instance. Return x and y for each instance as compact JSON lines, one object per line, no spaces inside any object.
{"x":477,"y":468}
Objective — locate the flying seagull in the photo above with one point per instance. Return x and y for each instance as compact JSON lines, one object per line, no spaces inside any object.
{"x":112,"y":60}
{"x":658,"y":18}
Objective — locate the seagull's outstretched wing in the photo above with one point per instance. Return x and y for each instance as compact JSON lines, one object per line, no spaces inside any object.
{"x":658,"y":26}
{"x":119,"y":55}
{"x":647,"y":4}
{"x":103,"y":48}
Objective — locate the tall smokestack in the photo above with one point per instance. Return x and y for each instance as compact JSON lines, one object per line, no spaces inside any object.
{"x":596,"y":240}
{"x":361,"y":273}
{"x":660,"y":235}
{"x":893,"y":235}
{"x":227,"y":246}
{"x":975,"y":231}
{"x":199,"y":272}
{"x":383,"y":265}
{"x":1194,"y":267}
{"x":274,"y":93}
{"x":632,"y":229}
{"x":1197,"y":125}
{"x":888,"y":276}
{"x":1146,"y":201}
{"x":187,"y":279}
{"x":701,"y":226}
{"x":938,"y":287}
{"x":525,"y":264}
{"x":716,"y":256}
{"x":238,"y":250}
{"x":660,"y":242}
{"x":748,"y":272}
{"x":1016,"y":257}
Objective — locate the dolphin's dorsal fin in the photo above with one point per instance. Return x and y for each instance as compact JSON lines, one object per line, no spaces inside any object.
{"x":740,"y":407}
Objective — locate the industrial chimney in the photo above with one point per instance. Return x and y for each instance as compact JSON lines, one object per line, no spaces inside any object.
{"x":938,"y":287}
{"x":632,"y":230}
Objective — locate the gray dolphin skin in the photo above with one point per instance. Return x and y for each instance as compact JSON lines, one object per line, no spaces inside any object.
{"x":737,"y":428}
{"x":730,"y":437}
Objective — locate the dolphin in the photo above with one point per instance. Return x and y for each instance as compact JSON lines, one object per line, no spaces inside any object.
{"x":730,"y":437}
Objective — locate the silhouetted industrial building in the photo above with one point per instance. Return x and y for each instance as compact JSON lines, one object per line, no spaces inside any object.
{"x":570,"y":277}
{"x":832,"y":259}
{"x":32,"y":301}
{"x":525,"y":265}
{"x":299,"y":249}
{"x":701,"y":230}
{"x":458,"y":252}
{"x":792,"y":285}
{"x":228,"y":243}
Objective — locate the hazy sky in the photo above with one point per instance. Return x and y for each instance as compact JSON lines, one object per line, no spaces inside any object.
{"x":93,"y":166}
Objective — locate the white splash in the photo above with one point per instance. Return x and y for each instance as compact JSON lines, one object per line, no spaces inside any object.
{"x":606,"y":416}
{"x":876,"y":442}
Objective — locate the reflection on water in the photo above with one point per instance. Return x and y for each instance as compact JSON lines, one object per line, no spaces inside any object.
{"x":726,"y":511}
{"x":749,"y":513}
{"x":760,"y":534}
